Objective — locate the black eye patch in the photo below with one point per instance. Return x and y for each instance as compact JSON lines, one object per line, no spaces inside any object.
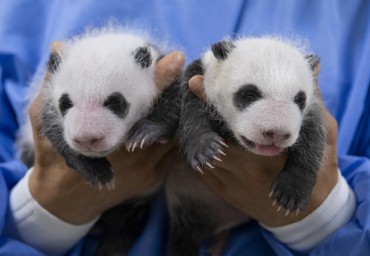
{"x":65,"y":103}
{"x":246,"y":95}
{"x":117,"y":103}
{"x":300,"y":100}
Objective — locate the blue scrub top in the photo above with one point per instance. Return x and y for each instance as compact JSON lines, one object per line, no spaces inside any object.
{"x":337,"y":31}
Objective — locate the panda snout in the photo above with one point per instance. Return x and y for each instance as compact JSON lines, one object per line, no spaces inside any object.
{"x":92,"y":142}
{"x":276,"y":136}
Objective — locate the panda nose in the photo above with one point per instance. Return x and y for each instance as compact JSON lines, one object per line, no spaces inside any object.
{"x":276,"y":136}
{"x":88,"y":141}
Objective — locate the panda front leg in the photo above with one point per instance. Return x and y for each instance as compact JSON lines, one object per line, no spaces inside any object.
{"x":161,"y":123}
{"x":293,"y":186}
{"x":96,"y":171}
{"x":198,"y":139}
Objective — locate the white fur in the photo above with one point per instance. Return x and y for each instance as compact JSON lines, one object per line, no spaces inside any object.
{"x":94,"y":66}
{"x":278,"y":69}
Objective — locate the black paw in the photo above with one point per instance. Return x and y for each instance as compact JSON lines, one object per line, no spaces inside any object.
{"x":145,"y":132}
{"x":96,"y":171}
{"x":204,"y":150}
{"x":290,"y":193}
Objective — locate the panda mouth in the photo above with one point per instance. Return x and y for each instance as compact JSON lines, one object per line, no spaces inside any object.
{"x":247,"y":142}
{"x":260,"y":149}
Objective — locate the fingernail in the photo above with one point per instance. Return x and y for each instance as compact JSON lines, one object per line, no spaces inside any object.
{"x":177,"y":58}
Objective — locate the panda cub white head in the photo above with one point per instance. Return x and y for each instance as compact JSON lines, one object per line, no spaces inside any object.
{"x":101,"y":84}
{"x":262,"y":87}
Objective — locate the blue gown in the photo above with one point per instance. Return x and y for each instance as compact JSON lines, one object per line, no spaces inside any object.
{"x":337,"y":31}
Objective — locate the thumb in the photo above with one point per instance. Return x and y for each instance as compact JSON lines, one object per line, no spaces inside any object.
{"x":168,"y":69}
{"x":196,"y":86}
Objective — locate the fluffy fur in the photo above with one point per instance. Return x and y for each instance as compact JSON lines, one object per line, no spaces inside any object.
{"x":99,"y":93}
{"x":260,"y":94}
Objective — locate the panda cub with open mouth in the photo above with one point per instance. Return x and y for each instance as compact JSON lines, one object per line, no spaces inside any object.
{"x":261,"y":93}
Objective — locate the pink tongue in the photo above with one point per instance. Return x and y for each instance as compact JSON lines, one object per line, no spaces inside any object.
{"x":268,"y":150}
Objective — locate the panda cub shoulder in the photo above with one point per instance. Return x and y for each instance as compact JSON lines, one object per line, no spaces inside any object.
{"x":261,"y":93}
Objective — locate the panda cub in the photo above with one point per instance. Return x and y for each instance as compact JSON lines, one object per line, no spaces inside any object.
{"x":98,"y":87}
{"x":100,"y":93}
{"x":260,"y":94}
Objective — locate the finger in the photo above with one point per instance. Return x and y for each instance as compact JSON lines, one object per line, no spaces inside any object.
{"x":34,"y":114}
{"x":196,"y":86}
{"x":56,"y":46}
{"x":168,"y":69}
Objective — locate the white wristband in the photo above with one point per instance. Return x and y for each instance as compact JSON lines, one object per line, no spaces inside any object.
{"x":335,"y":211}
{"x":39,"y":228}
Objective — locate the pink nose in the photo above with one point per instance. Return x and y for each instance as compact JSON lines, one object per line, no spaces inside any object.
{"x":88,"y":141}
{"x":276,"y":136}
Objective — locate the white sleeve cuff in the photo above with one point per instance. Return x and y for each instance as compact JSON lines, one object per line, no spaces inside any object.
{"x":39,"y":228}
{"x":335,"y":211}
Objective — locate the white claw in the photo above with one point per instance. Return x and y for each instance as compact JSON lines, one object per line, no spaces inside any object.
{"x":271,"y":194}
{"x":111,"y":185}
{"x":273,"y":203}
{"x":209,"y":165}
{"x":287,"y":212}
{"x":142,"y":143}
{"x":278,"y":209}
{"x":200,"y":170}
{"x":134,"y":146}
{"x":223,"y":144}
{"x":128,"y":147}
{"x":216,"y":158}
{"x":221,"y":152}
{"x":100,"y":186}
{"x":296,"y":213}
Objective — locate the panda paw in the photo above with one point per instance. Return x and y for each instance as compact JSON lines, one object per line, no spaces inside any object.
{"x":290,"y":194}
{"x":146,"y":132}
{"x":206,"y":149}
{"x":96,"y":171}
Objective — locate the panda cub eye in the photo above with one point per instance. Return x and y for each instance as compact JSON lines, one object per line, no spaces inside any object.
{"x":65,"y":103}
{"x":117,"y":103}
{"x":246,"y":95}
{"x":300,"y":100}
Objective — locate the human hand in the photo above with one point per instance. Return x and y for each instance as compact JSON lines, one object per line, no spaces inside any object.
{"x":65,"y":194}
{"x":247,"y":186}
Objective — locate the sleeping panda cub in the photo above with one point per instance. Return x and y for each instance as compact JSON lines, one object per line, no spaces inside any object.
{"x":260,"y":92}
{"x":98,"y":87}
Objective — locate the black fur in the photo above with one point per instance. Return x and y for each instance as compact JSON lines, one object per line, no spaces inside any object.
{"x":222,"y":49}
{"x":293,"y":186}
{"x":122,"y":225}
{"x":246,"y":95}
{"x":199,"y":139}
{"x":54,"y":61}
{"x":96,"y":171}
{"x":117,"y":103}
{"x":143,"y":57}
{"x":300,"y":100}
{"x":65,"y":103}
{"x":163,"y":121}
{"x":190,"y":227}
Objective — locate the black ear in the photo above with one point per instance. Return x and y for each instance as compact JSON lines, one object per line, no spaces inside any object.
{"x":222,"y":49}
{"x":54,"y":61}
{"x":314,"y":62}
{"x":143,"y":57}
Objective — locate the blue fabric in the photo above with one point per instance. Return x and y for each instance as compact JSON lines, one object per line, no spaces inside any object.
{"x":338,"y":31}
